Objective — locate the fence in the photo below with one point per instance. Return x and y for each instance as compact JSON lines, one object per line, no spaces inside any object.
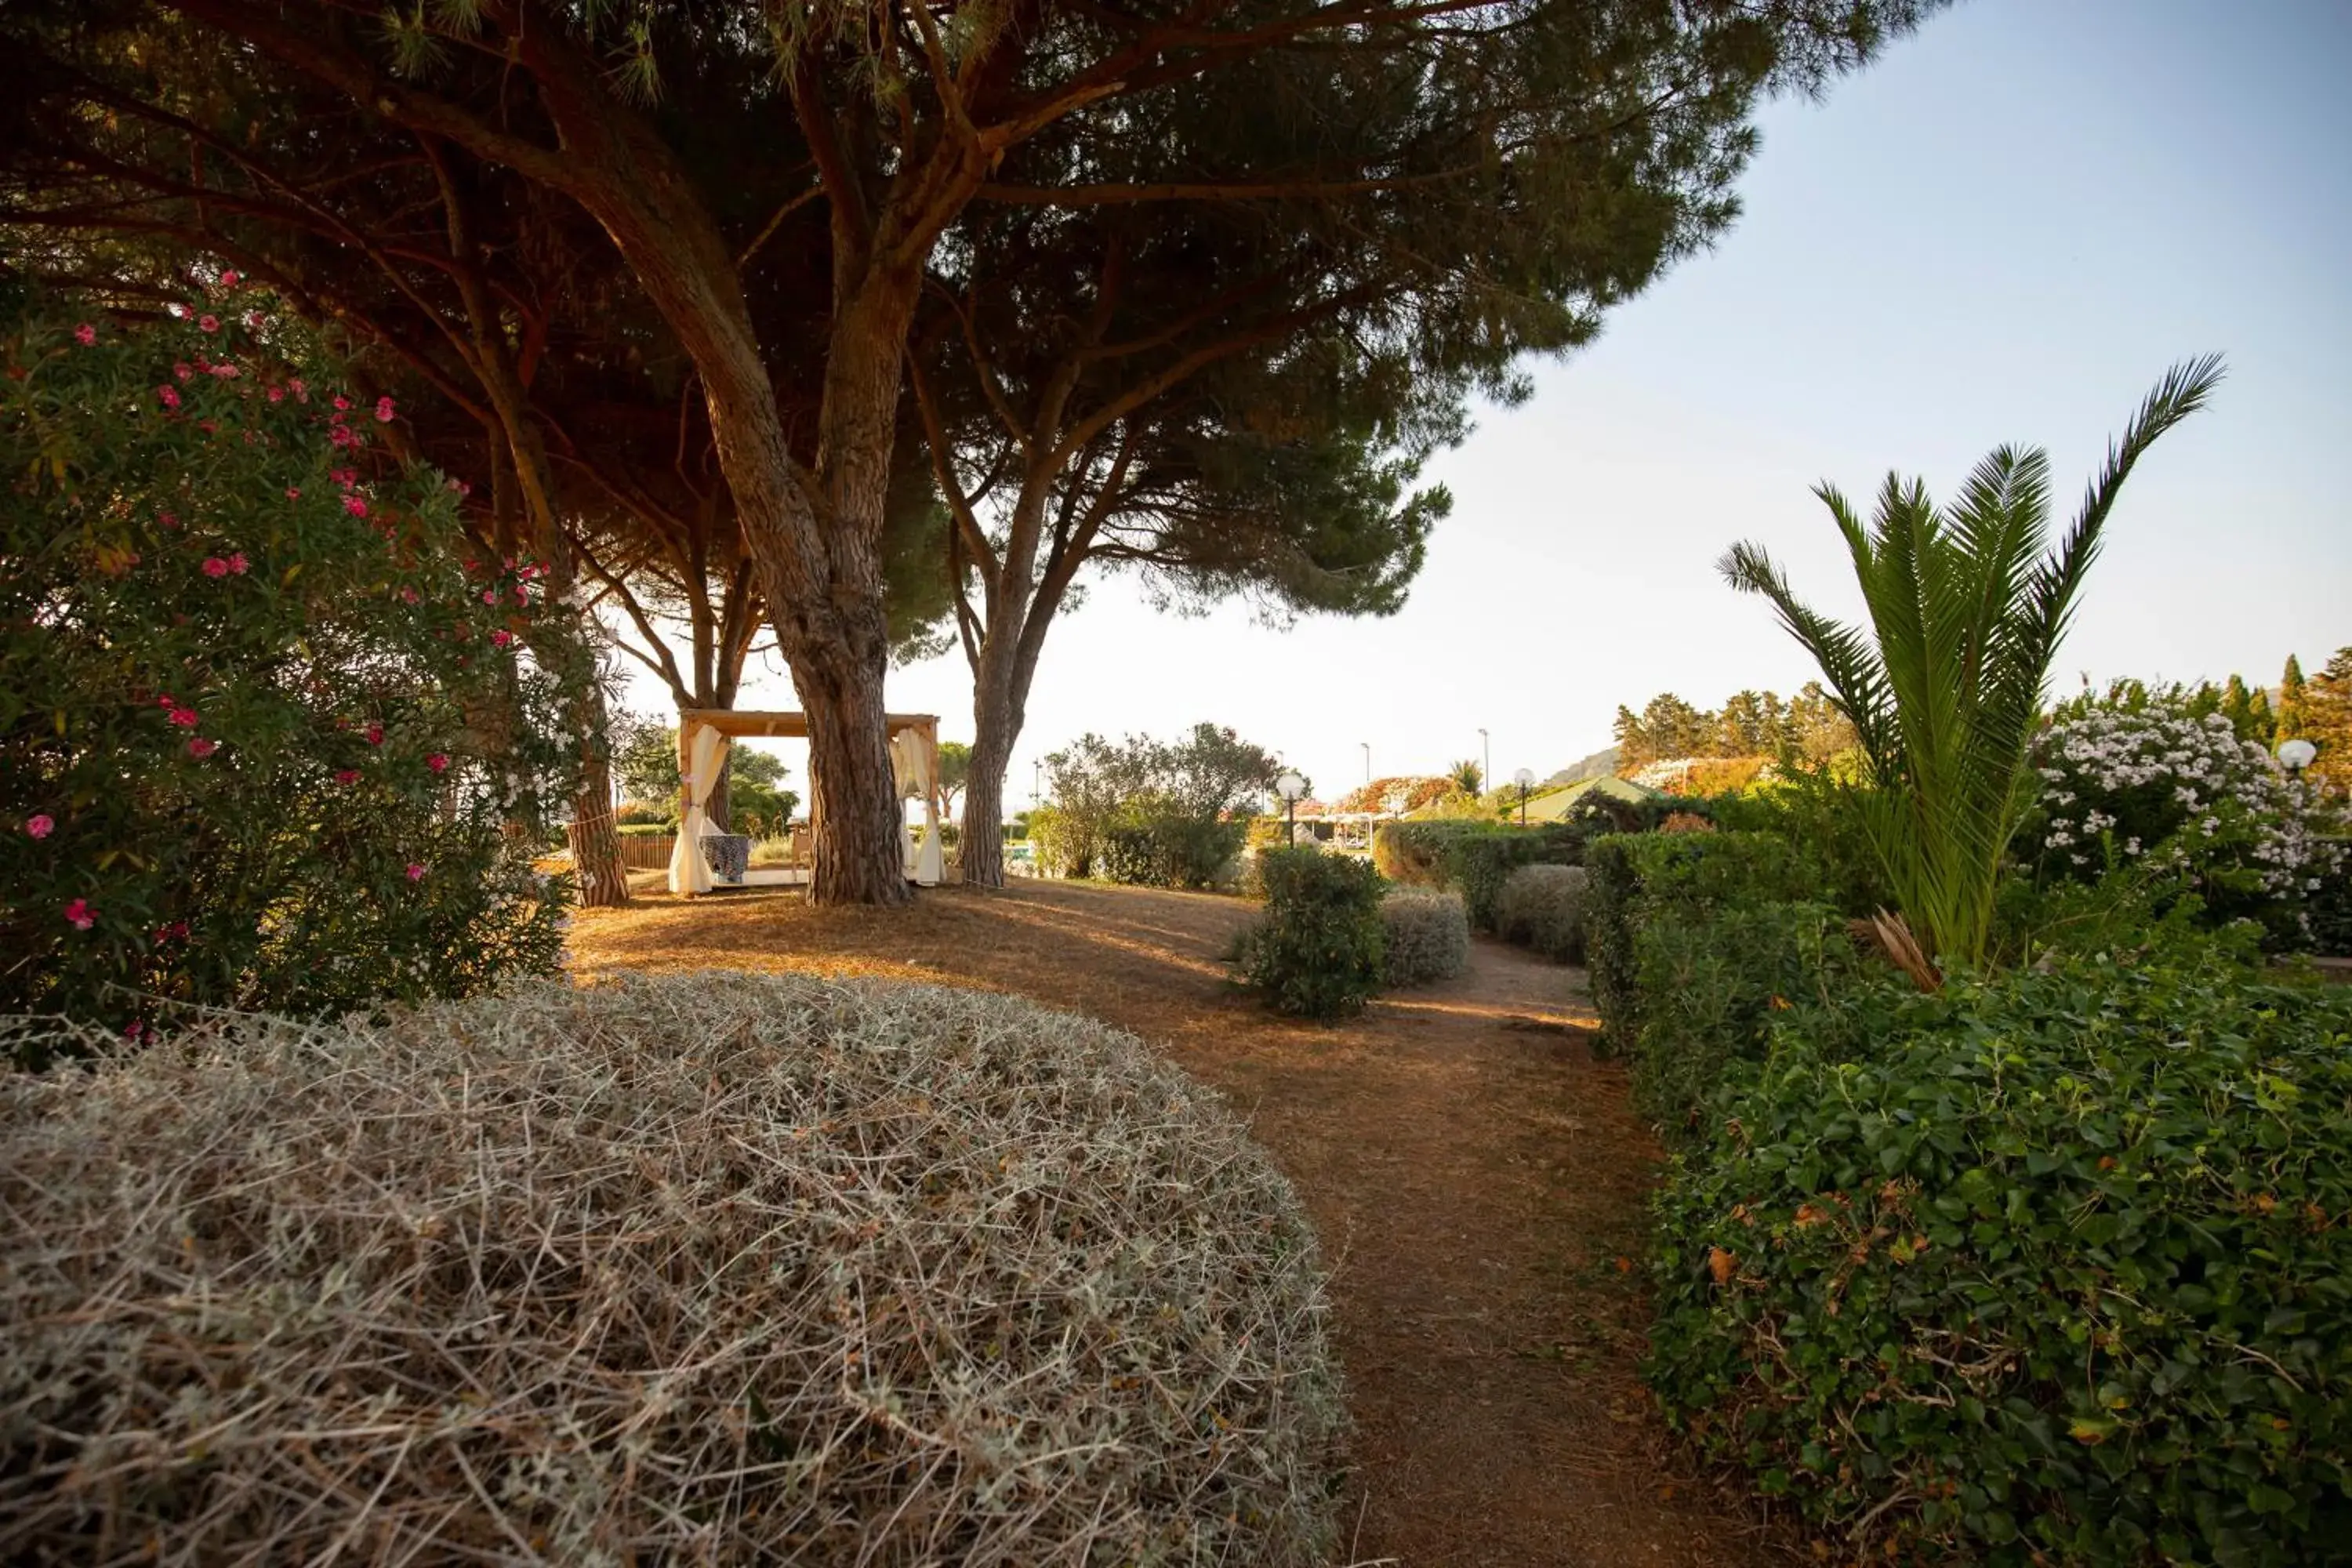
{"x":647,"y":852}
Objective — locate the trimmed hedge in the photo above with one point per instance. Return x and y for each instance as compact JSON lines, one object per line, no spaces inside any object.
{"x":1474,"y":858}
{"x":1644,"y":877}
{"x":1542,"y":907}
{"x":1170,"y":852}
{"x":1320,"y":950}
{"x":2060,"y":1272}
{"x":1426,"y":937}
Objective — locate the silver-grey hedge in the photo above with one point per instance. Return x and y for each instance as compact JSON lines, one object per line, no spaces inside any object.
{"x":706,"y":1269}
{"x":1427,"y":937}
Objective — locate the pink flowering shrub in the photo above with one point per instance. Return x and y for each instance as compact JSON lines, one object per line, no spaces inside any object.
{"x":2168,"y":796}
{"x":260,"y":747}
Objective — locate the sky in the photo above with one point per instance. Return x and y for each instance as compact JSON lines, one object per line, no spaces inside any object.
{"x":2005,"y":230}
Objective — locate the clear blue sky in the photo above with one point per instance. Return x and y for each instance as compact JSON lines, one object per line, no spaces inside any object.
{"x":2004,"y":231}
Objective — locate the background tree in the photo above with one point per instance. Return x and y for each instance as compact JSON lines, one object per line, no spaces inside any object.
{"x":1945,"y":688}
{"x":2327,"y":723}
{"x":1216,"y":347}
{"x":1466,"y":776}
{"x":2294,"y":704}
{"x":955,"y":772}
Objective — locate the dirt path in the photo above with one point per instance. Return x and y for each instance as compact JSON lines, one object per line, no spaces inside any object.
{"x":1477,"y":1176}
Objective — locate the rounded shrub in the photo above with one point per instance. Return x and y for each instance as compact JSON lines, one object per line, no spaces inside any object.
{"x":2058,"y":1271}
{"x":1425,"y":937}
{"x":685,"y":1269}
{"x":1318,"y":952}
{"x":272,"y":735}
{"x":1542,"y":907}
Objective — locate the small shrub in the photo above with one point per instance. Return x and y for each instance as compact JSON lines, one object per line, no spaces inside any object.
{"x":1426,"y":937}
{"x":1474,"y":858}
{"x":1065,"y":845}
{"x":2054,"y":1272}
{"x":1318,"y":951}
{"x":743,"y":1269}
{"x":1542,"y":907}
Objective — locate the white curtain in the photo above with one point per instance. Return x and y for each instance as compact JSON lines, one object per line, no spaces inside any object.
{"x":689,"y":871}
{"x":910,"y":758}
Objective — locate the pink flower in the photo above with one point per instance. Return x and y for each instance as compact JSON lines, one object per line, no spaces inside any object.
{"x":341,"y":402}
{"x":40,"y":825}
{"x":238,"y":563}
{"x":459,"y":487}
{"x":346,"y":478}
{"x":347,"y":775}
{"x":409,"y":596}
{"x":384,"y":410}
{"x":376,"y":734}
{"x":185,"y":717}
{"x":165,"y":699}
{"x":225,"y":372}
{"x":171,"y":399}
{"x":133,"y":1029}
{"x":182,"y":371}
{"x":293,"y":492}
{"x":85,"y":334}
{"x":500,"y":638}
{"x":201,"y":748}
{"x":170,"y":520}
{"x":252,"y":320}
{"x":438,"y":762}
{"x":489,"y":595}
{"x":295,"y":385}
{"x":209,"y":323}
{"x":277,"y":395}
{"x":415,"y":872}
{"x":215,"y":567}
{"x":355,"y":506}
{"x":228,"y":278}
{"x":78,"y":915}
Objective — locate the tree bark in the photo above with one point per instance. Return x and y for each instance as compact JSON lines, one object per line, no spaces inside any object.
{"x":595,"y":844}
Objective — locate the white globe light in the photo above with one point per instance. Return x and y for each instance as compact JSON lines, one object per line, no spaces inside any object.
{"x":1524,"y":777}
{"x":1290,"y":786}
{"x":2298,"y":754}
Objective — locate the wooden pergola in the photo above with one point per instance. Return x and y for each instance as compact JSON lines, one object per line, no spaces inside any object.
{"x":920,"y":732}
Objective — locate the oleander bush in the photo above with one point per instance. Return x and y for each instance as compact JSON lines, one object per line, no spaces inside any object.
{"x":1319,"y":950}
{"x":1542,"y":907}
{"x":272,"y":735}
{"x":2157,"y":790}
{"x":744,"y":1269}
{"x":1155,"y":849}
{"x":1425,"y":937}
{"x":2058,"y":1271}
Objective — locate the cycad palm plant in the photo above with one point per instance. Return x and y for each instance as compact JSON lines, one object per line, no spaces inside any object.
{"x":1967,"y":605}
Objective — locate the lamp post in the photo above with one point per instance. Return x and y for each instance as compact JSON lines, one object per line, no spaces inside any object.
{"x":1036,"y":784}
{"x":1486,"y":761}
{"x":1290,"y":786}
{"x":1367,"y":760}
{"x":1524,"y":778}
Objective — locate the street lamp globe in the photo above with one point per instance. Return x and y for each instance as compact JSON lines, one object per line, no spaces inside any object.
{"x":1524,"y":778}
{"x":1289,"y":786}
{"x":2296,"y":754}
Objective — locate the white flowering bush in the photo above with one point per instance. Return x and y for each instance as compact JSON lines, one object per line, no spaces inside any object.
{"x":2179,"y":797}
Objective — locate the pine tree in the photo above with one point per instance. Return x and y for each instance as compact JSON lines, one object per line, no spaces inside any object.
{"x":2327,"y":723}
{"x":2294,"y":704}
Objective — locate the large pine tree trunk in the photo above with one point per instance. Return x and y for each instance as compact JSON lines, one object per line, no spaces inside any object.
{"x":595,"y":845}
{"x":980,"y":845}
{"x":858,"y":856}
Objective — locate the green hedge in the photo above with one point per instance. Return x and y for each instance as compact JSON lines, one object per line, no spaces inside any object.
{"x":1170,"y":852}
{"x":2060,"y":1272}
{"x":1318,"y":951}
{"x":1639,"y":879}
{"x":1474,"y":858}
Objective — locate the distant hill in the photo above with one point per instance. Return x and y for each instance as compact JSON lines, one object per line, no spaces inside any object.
{"x":1599,"y":764}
